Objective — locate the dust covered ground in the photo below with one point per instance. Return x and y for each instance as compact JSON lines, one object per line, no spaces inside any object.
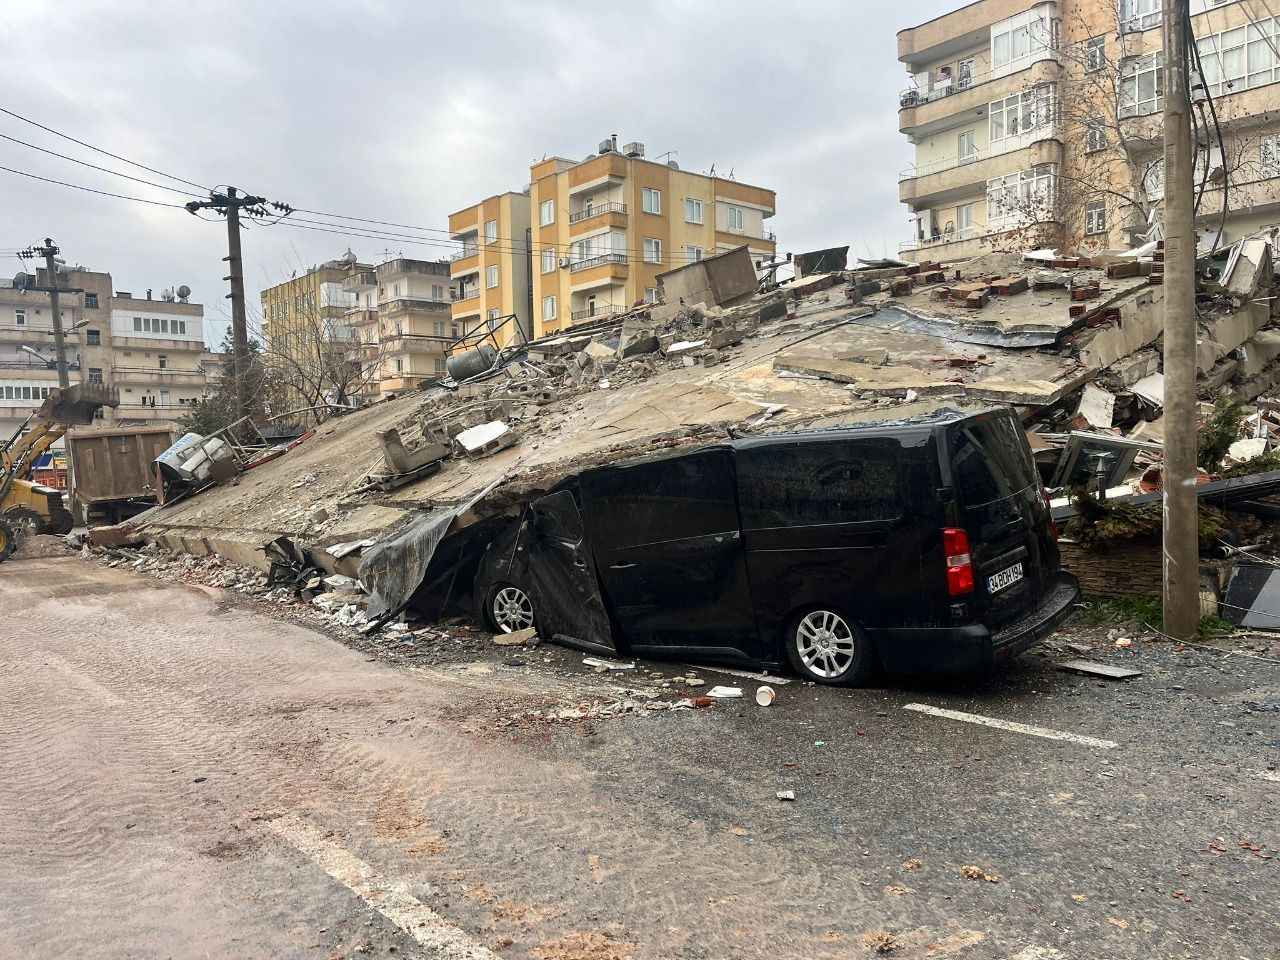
{"x":188,"y":773}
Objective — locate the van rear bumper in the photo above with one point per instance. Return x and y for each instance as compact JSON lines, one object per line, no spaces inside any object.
{"x":973,"y":646}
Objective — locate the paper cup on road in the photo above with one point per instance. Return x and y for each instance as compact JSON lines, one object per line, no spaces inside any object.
{"x":764,"y":696}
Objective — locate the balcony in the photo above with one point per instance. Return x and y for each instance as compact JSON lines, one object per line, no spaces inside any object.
{"x":952,"y":177}
{"x":361,"y":317}
{"x":606,"y":168}
{"x":402,"y":305}
{"x":961,"y":29}
{"x":467,"y":293}
{"x":148,"y":375}
{"x":591,"y":262}
{"x":359,"y":281}
{"x":597,"y":209}
{"x":922,"y":112}
{"x":464,"y":264}
{"x":416,"y":343}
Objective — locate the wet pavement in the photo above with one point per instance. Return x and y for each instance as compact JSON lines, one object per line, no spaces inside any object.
{"x":188,"y":776}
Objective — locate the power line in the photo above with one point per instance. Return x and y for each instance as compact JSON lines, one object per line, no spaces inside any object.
{"x":104,"y":193}
{"x":113,"y":156}
{"x":94,"y":166}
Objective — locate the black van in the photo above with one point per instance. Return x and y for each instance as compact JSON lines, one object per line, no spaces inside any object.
{"x":924,"y":544}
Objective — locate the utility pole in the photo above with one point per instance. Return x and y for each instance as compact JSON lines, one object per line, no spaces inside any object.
{"x":1181,"y":521}
{"x":229,"y":204}
{"x":49,"y":251}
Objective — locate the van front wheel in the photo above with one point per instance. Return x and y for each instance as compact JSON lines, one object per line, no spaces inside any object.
{"x":826,"y":648}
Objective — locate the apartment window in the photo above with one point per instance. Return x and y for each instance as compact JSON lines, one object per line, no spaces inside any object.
{"x":1095,"y":53}
{"x":490,"y":231}
{"x":650,"y":294}
{"x":399,"y":365}
{"x":692,"y":210}
{"x":1020,"y":112}
{"x":547,"y":213}
{"x":652,"y":250}
{"x":163,"y":361}
{"x":1241,"y":58}
{"x":1095,"y":136}
{"x":1269,"y":155}
{"x":439,"y":364}
{"x":733,"y":216}
{"x":491,"y":275}
{"x":651,"y":200}
{"x":93,"y":338}
{"x":692,"y":253}
{"x":1139,"y":15}
{"x":20,"y":317}
{"x":437,"y":292}
{"x":164,"y":398}
{"x":493,"y":319}
{"x":964,"y":218}
{"x":95,"y":374}
{"x":548,"y":308}
{"x":181,"y":327}
{"x":137,"y":324}
{"x":91,"y":301}
{"x":548,"y":259}
{"x":1018,"y":38}
{"x":146,"y":324}
{"x":1028,"y":194}
{"x":1095,"y":218}
{"x":1142,"y":85}
{"x":967,"y":147}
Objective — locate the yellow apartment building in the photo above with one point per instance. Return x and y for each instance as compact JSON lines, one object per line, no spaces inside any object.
{"x":490,"y":274}
{"x":605,"y":227}
{"x":1038,"y":121}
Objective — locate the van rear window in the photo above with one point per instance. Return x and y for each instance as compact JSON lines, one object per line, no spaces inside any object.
{"x":990,"y":461}
{"x":803,"y":484}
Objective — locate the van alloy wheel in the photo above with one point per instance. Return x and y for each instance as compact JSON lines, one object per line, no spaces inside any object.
{"x":825,"y":645}
{"x":512,"y":609}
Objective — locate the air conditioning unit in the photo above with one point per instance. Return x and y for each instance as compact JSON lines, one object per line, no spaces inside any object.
{"x":564,"y":262}
{"x":606,"y":146}
{"x":633,"y":149}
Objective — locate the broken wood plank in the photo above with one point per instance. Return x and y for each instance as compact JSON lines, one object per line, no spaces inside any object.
{"x":1094,"y":669}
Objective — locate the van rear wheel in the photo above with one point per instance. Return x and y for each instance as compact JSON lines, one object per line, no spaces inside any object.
{"x":509,"y":608}
{"x":825,"y":647}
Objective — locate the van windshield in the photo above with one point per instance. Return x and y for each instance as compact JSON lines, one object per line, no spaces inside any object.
{"x":990,"y":461}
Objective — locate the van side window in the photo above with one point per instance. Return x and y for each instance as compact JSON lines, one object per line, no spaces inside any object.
{"x":673,"y":499}
{"x":841,"y":481}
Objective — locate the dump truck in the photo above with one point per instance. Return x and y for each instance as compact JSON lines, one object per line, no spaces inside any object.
{"x":30,"y":507}
{"x":114,"y":471}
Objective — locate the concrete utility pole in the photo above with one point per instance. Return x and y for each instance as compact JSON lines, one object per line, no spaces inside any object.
{"x":229,"y":204}
{"x":1181,"y":521}
{"x":49,"y":251}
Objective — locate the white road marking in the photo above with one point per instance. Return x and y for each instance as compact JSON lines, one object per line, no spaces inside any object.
{"x":388,"y":897}
{"x":1272,"y":775}
{"x":1012,"y":726}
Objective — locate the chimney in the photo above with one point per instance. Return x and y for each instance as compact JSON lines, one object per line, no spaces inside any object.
{"x":148,"y":293}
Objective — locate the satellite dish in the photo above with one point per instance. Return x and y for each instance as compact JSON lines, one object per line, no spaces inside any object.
{"x":183,"y":292}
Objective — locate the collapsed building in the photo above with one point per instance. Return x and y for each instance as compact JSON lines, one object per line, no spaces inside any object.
{"x":386,"y":493}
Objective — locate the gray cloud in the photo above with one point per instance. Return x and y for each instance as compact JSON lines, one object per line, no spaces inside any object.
{"x":405,"y":112}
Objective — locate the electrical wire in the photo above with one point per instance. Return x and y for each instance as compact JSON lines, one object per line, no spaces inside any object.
{"x":1213,"y":112}
{"x":104,"y":193}
{"x":113,"y":156}
{"x":94,"y":166}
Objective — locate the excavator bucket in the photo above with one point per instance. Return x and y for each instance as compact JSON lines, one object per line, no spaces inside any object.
{"x":77,"y":405}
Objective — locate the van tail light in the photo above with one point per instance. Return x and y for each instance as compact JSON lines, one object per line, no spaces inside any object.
{"x":955,"y":546}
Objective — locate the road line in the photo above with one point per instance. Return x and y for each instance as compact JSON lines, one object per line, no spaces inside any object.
{"x":1012,"y":726}
{"x":389,"y":897}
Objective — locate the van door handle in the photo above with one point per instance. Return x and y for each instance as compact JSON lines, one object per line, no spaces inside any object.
{"x":622,"y":566}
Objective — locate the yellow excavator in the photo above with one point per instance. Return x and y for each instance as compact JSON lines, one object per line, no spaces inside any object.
{"x":28,"y":507}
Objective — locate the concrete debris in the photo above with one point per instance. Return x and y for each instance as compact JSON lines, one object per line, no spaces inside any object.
{"x":486,"y":439}
{"x":1097,"y":406}
{"x":725,"y":693}
{"x":517,"y":638}
{"x":602,"y":663}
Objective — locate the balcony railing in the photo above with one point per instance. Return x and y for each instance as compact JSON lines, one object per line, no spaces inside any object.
{"x":402,"y":304}
{"x":599,"y":310}
{"x":599,"y":261}
{"x":914,"y":96}
{"x":594,"y":210}
{"x":964,"y":233}
{"x":1019,"y":141}
{"x":464,"y":253}
{"x":467,"y":293}
{"x":360,"y":280}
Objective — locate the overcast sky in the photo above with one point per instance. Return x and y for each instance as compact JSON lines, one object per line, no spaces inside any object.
{"x":405,"y":111}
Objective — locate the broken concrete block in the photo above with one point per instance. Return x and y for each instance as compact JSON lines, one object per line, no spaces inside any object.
{"x":401,"y":460}
{"x":1123,"y":269}
{"x":600,"y":351}
{"x":727,"y":337}
{"x":871,"y":355}
{"x":977,"y":300}
{"x":1049,"y":280}
{"x":1007,"y":286}
{"x":486,"y":439}
{"x":901,"y":287}
{"x":684,"y":347}
{"x":640,"y":345}
{"x":1259,"y":352}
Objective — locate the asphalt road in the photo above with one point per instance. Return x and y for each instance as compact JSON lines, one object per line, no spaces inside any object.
{"x":183,"y":775}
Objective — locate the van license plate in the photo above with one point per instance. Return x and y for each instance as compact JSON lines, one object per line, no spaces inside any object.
{"x":1005,"y":578}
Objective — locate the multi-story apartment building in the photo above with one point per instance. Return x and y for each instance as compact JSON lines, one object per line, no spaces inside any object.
{"x":605,"y":227}
{"x":309,"y":330}
{"x":150,"y":349}
{"x":491,"y":272}
{"x":402,"y":321}
{"x":1039,"y":121}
